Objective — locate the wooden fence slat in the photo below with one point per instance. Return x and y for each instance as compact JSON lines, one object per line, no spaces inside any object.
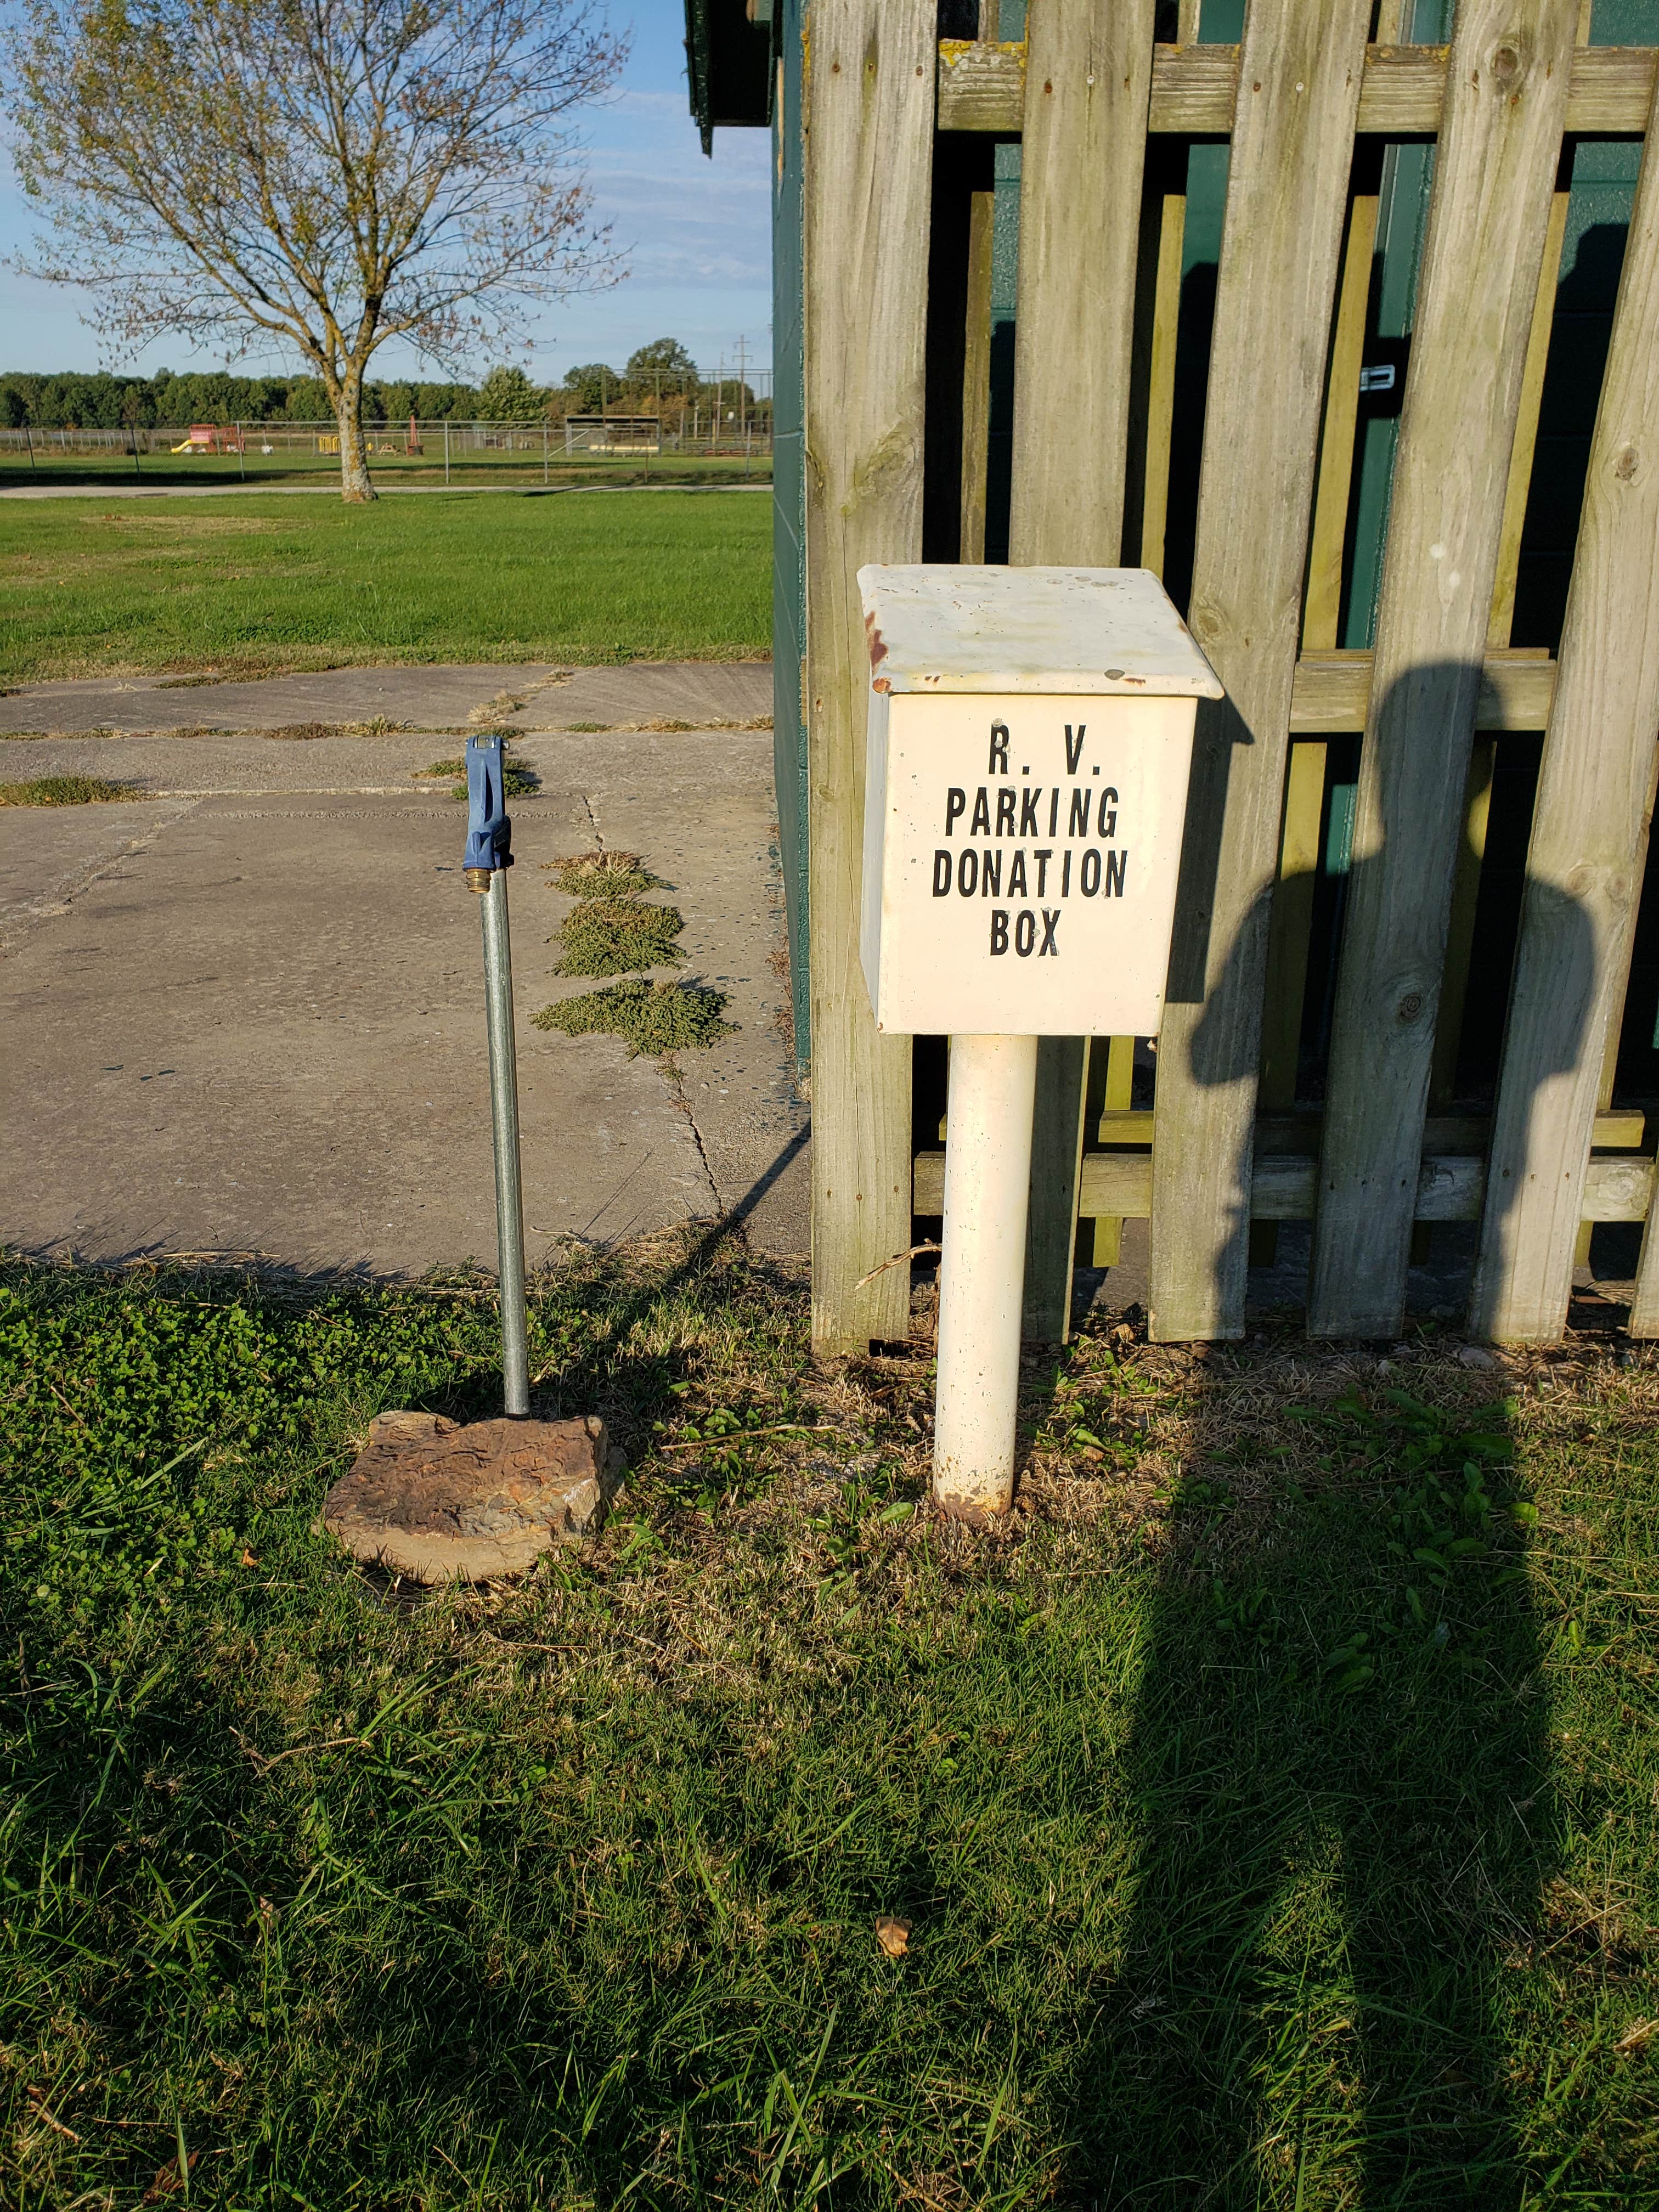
{"x":1291,"y":931}
{"x":1323,"y":600}
{"x":1460,"y":928}
{"x":1612,"y":88}
{"x":1590,"y":825}
{"x":1622,"y":1129}
{"x":1448,"y":1186}
{"x":1286,"y":196}
{"x":1192,"y":85}
{"x":1056,"y":1158}
{"x":869,"y":123}
{"x":1526,"y":429}
{"x":1116,"y":1092}
{"x":1489,"y":213}
{"x":981,"y":85}
{"x":976,"y":376}
{"x":1195,"y":89}
{"x":1293,"y":924}
{"x":1160,"y":383}
{"x":1088,"y":70}
{"x":1333,"y":692}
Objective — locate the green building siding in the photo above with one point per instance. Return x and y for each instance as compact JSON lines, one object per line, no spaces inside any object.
{"x":789,"y":513}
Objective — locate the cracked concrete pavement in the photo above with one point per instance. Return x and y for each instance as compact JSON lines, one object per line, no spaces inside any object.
{"x":245,"y":1013}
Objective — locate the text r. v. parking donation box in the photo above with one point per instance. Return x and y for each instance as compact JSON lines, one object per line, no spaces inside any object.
{"x":1030,"y":737}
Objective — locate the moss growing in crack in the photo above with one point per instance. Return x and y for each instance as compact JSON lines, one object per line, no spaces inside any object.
{"x":618,"y":937}
{"x":653,"y":1018}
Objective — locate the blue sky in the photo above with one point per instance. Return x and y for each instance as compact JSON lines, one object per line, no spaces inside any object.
{"x":695,"y":234}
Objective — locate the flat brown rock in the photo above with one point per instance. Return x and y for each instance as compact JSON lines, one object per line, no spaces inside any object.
{"x":442,"y":1502}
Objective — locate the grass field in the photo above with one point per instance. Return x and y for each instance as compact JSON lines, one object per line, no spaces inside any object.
{"x":267,"y":582}
{"x":1271,"y":1804}
{"x":292,"y":467}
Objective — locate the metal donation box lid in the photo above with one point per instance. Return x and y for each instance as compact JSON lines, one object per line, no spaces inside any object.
{"x":1029,"y":742}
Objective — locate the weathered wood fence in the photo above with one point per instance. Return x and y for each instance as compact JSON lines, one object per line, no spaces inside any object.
{"x":897,"y":153}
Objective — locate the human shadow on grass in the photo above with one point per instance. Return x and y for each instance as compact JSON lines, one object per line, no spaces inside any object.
{"x":1339,"y":1767}
{"x":1339,"y":1759}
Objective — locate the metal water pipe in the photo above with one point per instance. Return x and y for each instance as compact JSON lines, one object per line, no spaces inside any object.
{"x":487,"y":858}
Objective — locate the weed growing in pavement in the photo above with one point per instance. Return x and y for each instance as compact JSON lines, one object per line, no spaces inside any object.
{"x":65,"y":791}
{"x":617,"y":937}
{"x":517,"y":782}
{"x":653,"y":1018}
{"x":603,"y":875}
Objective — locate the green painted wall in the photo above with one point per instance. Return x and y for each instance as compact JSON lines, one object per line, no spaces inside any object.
{"x":789,"y":514}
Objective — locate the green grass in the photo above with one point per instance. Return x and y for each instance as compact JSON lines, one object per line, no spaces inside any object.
{"x":517,"y":782}
{"x":64,"y":791}
{"x":258,"y":585}
{"x":291,"y":466}
{"x":1272,"y":1800}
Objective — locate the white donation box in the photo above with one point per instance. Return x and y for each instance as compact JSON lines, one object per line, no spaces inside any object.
{"x":1030,"y":736}
{"x":1031,"y":739}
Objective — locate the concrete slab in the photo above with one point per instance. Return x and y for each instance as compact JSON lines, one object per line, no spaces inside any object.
{"x":698,"y":691}
{"x":527,"y":695}
{"x":425,"y":698}
{"x":700,"y":809}
{"x":252,"y":1022}
{"x":48,"y":853}
{"x":244,"y":764}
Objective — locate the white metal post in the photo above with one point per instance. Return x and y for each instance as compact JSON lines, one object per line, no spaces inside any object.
{"x":987,"y":1182}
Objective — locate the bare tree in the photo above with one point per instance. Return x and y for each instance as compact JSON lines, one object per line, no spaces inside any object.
{"x":326,"y":174}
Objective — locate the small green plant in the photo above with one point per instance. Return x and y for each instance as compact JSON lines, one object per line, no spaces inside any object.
{"x":603,"y":875}
{"x":618,"y":938}
{"x":516,"y":782}
{"x":654,"y":1017}
{"x":64,"y":791}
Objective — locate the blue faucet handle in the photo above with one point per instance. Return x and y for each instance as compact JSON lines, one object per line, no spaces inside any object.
{"x":488,"y":828}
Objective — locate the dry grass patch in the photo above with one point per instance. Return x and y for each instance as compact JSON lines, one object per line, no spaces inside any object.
{"x":606,"y":875}
{"x":65,"y":791}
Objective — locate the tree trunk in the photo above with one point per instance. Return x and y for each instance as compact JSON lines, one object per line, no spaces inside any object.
{"x":355,"y":488}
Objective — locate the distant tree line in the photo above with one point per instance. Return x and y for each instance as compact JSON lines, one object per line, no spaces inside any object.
{"x":662,"y":372}
{"x":73,"y":400}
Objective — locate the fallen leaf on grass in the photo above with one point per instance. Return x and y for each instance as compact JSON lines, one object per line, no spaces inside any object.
{"x":893,"y":1936}
{"x":168,"y":2179}
{"x":248,"y":1559}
